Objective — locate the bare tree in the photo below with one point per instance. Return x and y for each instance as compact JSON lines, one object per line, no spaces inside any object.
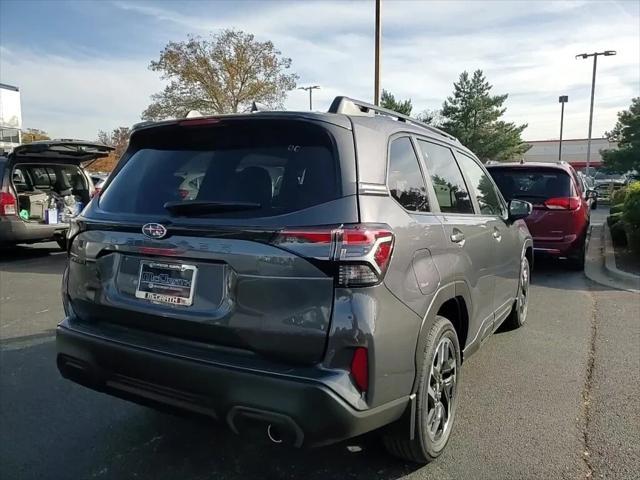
{"x":220,"y":74}
{"x":118,"y":138}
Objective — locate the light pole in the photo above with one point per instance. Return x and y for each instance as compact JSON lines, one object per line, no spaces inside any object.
{"x":584,"y":56}
{"x":310,"y":89}
{"x":376,"y":73}
{"x":562,"y":99}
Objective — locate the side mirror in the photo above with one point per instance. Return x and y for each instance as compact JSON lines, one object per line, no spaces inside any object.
{"x":519,"y":209}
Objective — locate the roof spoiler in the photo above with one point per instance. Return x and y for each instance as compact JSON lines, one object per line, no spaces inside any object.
{"x":349,"y":106}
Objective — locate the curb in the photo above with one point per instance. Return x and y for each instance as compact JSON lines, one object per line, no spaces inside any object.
{"x":610,"y":262}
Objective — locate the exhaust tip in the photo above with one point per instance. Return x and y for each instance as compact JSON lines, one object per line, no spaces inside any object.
{"x":273,"y":434}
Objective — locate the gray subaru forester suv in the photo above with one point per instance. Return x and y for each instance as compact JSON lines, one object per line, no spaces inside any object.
{"x":306,"y":276}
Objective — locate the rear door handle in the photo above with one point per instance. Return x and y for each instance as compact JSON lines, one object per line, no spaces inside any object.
{"x":457,"y":236}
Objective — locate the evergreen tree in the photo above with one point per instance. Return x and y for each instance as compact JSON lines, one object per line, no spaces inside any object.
{"x":388,"y":100}
{"x":473,"y":115}
{"x":627,"y":134}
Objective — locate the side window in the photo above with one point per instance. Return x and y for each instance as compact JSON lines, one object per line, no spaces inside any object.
{"x":451,"y":191}
{"x":482,"y":186}
{"x":579,"y":183}
{"x":405,"y":178}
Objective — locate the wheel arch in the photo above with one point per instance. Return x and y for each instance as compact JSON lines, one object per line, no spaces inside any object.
{"x":527,"y":251}
{"x":451,"y":302}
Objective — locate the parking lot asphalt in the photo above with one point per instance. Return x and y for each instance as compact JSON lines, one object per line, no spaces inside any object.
{"x":558,"y":398}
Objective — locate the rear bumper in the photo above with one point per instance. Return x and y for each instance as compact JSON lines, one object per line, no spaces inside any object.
{"x":14,"y":230}
{"x":305,"y":411}
{"x":557,"y":248}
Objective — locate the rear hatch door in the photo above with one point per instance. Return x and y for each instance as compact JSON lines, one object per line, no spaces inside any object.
{"x":75,"y":152}
{"x":184,"y":238}
{"x":548,"y":189}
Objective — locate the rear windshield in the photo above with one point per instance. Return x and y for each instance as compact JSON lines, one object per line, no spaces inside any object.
{"x":532,"y":184}
{"x":276,"y":166}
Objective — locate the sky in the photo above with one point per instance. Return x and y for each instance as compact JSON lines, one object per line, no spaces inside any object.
{"x":82,"y":66}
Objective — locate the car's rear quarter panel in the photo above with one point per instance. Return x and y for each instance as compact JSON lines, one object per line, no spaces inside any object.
{"x":411,"y":283}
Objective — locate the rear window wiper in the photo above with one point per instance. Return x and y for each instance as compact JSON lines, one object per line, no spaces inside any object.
{"x":202,"y":207}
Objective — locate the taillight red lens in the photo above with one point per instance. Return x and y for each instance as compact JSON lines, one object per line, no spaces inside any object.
{"x":360,"y":368}
{"x":306,"y":236}
{"x":383,"y":254}
{"x":362,"y":252}
{"x":562,"y":203}
{"x":7,"y":204}
{"x":183,"y":193}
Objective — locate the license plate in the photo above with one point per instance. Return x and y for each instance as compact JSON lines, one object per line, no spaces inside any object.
{"x":167,"y":283}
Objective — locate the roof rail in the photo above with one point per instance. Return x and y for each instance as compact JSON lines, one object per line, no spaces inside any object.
{"x":349,"y":106}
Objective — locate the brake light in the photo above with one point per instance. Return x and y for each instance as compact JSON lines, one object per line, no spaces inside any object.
{"x":183,"y":193}
{"x":562,"y":203}
{"x":360,"y":368}
{"x":193,"y":122}
{"x":357,"y":255}
{"x":7,"y":204}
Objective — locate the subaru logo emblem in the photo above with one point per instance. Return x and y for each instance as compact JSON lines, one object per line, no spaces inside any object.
{"x":154,"y":230}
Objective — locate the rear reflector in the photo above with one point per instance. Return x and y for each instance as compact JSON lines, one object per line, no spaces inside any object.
{"x":7,"y":204}
{"x":358,"y":254}
{"x":360,"y":369}
{"x":562,"y":203}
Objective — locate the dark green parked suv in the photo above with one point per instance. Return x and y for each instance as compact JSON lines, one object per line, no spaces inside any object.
{"x":327,"y":276}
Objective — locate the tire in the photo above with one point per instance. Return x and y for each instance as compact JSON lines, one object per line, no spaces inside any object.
{"x":594,"y":205}
{"x":577,"y":258}
{"x":518,"y":314}
{"x":437,"y":395}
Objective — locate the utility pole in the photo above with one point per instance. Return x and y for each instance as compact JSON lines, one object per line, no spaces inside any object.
{"x":310,"y":89}
{"x":584,"y":56}
{"x":562,"y":99}
{"x":376,"y":81}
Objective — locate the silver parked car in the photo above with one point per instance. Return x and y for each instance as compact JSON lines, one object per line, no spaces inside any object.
{"x":326,"y":277}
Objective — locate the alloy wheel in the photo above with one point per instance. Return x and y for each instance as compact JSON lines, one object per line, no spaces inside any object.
{"x":441,"y":391}
{"x":523,"y":292}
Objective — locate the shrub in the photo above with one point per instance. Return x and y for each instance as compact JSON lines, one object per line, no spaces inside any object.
{"x":618,"y":208}
{"x":631,"y":216}
{"x":618,"y":233}
{"x":614,"y":218}
{"x":618,"y":196}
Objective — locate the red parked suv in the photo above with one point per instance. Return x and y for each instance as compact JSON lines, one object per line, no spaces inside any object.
{"x":560,"y":218}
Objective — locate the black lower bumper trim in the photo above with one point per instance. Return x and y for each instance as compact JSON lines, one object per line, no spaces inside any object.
{"x":308,"y":413}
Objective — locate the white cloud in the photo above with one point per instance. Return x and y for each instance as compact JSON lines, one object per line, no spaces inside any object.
{"x":74,"y":98}
{"x":526,"y":50}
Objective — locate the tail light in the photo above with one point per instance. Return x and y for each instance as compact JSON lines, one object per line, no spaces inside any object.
{"x":7,"y":204}
{"x":356,"y":255}
{"x":198,"y":121}
{"x":563,"y":203}
{"x":360,"y":368}
{"x":183,"y":193}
